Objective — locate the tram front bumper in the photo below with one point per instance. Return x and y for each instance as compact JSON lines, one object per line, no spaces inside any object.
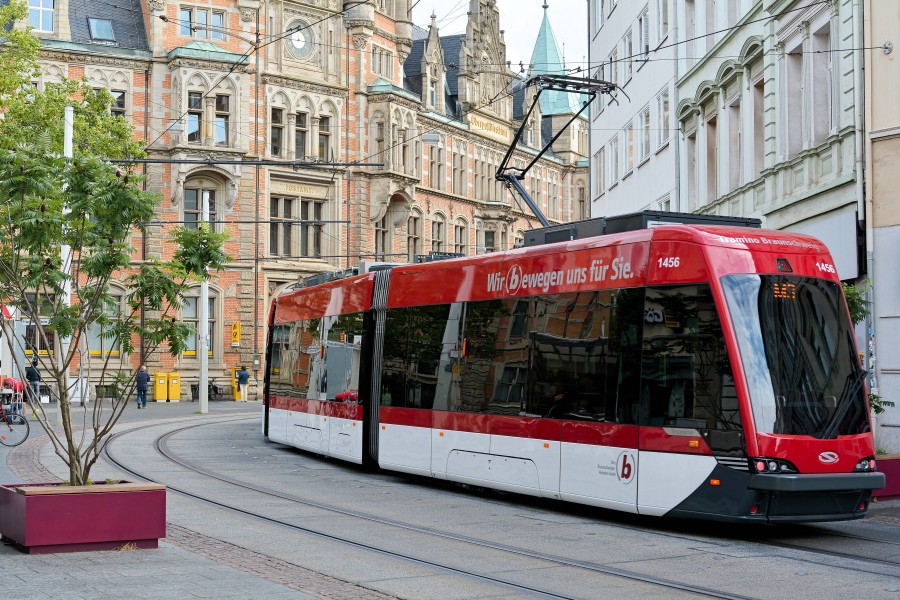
{"x":828,"y":482}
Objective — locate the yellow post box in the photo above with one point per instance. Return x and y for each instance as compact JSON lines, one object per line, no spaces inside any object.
{"x":235,"y":390}
{"x":161,"y":387}
{"x":174,"y":387}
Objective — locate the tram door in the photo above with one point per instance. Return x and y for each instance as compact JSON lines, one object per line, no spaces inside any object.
{"x":685,"y":389}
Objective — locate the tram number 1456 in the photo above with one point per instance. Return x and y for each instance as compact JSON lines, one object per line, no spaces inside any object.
{"x":669,"y":262}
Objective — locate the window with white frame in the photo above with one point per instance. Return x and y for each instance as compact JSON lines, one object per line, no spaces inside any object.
{"x":460,"y":237}
{"x":438,"y":234}
{"x":735,"y":143}
{"x":413,"y":236}
{"x":40,"y":15}
{"x":644,"y":34}
{"x":614,"y":67}
{"x":222,"y":119}
{"x":628,"y":50}
{"x":276,"y":132}
{"x":662,"y":19}
{"x":712,"y":157}
{"x":325,"y":138}
{"x":614,"y":159}
{"x":193,"y":197}
{"x":190,"y":314}
{"x":34,"y":341}
{"x":201,"y":23}
{"x":644,"y":120}
{"x":628,"y":136}
{"x":100,"y":338}
{"x":382,"y":62}
{"x":490,"y":241}
{"x":662,"y":116}
{"x":117,"y":108}
{"x":195,"y":118}
{"x":599,"y":174}
{"x":382,"y":240}
{"x":301,"y":133}
{"x":281,"y":215}
{"x":311,"y":228}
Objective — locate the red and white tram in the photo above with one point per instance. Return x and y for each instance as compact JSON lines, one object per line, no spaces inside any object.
{"x":690,"y":371}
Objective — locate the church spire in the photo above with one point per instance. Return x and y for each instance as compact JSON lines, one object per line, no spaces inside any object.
{"x":546,"y":59}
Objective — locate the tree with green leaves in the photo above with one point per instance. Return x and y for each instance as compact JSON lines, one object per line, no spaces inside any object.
{"x":92,"y":207}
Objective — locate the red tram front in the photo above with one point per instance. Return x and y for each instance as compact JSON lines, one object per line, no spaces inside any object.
{"x":706,"y":372}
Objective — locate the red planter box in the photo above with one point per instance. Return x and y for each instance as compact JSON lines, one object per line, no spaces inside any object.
{"x":48,"y":518}
{"x":890,"y":466}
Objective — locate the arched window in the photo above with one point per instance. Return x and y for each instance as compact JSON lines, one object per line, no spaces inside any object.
{"x":413,"y":236}
{"x":438,"y":233}
{"x":460,"y":237}
{"x":197,"y":191}
{"x":99,"y":343}
{"x":190,"y":314}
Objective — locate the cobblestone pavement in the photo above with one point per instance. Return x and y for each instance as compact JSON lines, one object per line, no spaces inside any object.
{"x":187,"y":564}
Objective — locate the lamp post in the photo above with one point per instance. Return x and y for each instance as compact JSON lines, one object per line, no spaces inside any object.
{"x":203,"y":309}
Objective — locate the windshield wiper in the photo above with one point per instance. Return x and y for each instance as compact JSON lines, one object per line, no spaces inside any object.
{"x":851,"y":389}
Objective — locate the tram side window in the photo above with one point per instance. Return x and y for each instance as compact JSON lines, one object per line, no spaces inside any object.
{"x":343,"y":345}
{"x":413,"y":346}
{"x":583,"y":351}
{"x":686,"y":373}
{"x":492,"y":373}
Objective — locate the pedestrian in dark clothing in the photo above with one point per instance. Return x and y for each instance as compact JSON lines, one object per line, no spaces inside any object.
{"x":243,"y":381}
{"x":142,"y":385}
{"x":33,"y":377}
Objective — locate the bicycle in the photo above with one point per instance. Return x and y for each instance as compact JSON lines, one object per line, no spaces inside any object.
{"x":14,"y":428}
{"x":213,"y":391}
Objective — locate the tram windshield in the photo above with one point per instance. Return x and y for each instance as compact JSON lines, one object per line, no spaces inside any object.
{"x":798,"y":354}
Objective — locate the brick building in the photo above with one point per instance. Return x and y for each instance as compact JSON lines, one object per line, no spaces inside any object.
{"x":215,"y":86}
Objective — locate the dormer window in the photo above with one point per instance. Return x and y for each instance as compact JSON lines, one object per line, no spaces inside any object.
{"x":101,"y":30}
{"x":432,"y":93}
{"x":40,"y":15}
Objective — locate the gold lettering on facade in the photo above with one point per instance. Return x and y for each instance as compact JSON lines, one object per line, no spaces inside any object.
{"x":283,"y":187}
{"x":489,"y":127}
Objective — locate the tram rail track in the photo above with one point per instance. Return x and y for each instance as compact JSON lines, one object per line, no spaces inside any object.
{"x":161,"y":446}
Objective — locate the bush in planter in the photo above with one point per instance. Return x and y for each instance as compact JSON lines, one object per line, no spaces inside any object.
{"x":93,"y":207}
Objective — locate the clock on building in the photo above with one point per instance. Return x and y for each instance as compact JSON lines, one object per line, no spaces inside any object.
{"x":300,"y":42}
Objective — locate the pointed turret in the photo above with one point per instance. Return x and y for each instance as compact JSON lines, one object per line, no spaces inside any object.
{"x":546,"y":59}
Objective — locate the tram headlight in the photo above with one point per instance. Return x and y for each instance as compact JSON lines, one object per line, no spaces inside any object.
{"x":773,"y":465}
{"x":866,"y":465}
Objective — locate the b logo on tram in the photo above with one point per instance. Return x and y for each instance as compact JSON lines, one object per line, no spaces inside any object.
{"x":625,"y":467}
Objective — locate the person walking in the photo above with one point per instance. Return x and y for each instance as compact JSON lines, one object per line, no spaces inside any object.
{"x":243,"y":381}
{"x":33,"y":377}
{"x":142,"y":384}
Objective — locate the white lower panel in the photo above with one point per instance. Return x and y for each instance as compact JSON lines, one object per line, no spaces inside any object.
{"x":306,"y":432}
{"x":345,"y":439}
{"x":498,"y":472}
{"x":444,"y":441}
{"x":666,"y":479}
{"x":528,"y":463}
{"x":600,"y":476}
{"x":405,"y":448}
{"x":278,"y":427}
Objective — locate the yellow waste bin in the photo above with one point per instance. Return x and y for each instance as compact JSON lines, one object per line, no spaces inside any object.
{"x":161,"y":387}
{"x":174,"y":387}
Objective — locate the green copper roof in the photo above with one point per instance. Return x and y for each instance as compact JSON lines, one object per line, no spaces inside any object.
{"x":207,"y":51}
{"x":547,"y":60}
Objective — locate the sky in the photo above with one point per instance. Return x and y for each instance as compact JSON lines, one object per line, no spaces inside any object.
{"x":520,"y":20}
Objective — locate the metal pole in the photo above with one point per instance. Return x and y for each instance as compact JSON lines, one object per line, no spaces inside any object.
{"x":65,"y":253}
{"x":203,"y":310}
